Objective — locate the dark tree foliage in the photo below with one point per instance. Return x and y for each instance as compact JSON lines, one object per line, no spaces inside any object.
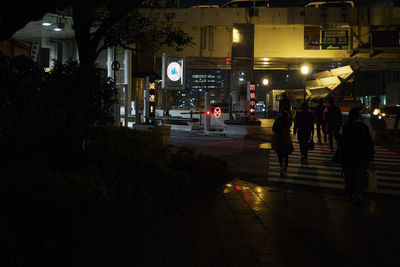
{"x":35,"y":108}
{"x":97,"y":24}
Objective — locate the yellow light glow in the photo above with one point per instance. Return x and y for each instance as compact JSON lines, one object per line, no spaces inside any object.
{"x":236,"y":35}
{"x":265,"y":81}
{"x":383,"y":114}
{"x":266,"y":59}
{"x":376,"y":111}
{"x":304,"y":70}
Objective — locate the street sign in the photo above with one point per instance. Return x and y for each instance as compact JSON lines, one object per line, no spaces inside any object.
{"x":152,"y":100}
{"x":217,"y":112}
{"x":335,"y":39}
{"x":172,"y":72}
{"x":115,"y":65}
{"x":252,"y":98}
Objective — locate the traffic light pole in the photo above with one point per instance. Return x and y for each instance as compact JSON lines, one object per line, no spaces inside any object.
{"x":206,"y":108}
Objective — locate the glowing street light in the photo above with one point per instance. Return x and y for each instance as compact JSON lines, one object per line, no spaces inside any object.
{"x":265,"y":82}
{"x":304,"y":70}
{"x":236,"y":35}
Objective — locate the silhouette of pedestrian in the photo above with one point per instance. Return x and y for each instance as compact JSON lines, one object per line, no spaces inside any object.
{"x":358,"y":151}
{"x":333,"y":119}
{"x":318,"y":117}
{"x":304,"y":126}
{"x":396,"y":123}
{"x":284,"y":103}
{"x":284,"y":147}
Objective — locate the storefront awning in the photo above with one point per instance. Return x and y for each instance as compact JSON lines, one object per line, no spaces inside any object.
{"x":327,"y":81}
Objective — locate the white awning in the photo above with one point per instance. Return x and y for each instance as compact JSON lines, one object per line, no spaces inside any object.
{"x":327,"y":81}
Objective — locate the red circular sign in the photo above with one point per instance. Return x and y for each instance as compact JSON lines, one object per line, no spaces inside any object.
{"x":217,"y":112}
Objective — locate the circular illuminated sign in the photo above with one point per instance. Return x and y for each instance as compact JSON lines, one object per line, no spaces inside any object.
{"x":174,"y":71}
{"x":217,"y":112}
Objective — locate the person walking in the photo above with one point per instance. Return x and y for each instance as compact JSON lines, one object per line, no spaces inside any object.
{"x":304,"y":126}
{"x":333,"y":120}
{"x":284,"y":102}
{"x":358,"y":151}
{"x":318,"y":118}
{"x":284,"y":146}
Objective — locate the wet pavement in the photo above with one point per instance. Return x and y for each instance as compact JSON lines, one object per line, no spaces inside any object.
{"x":252,"y":222}
{"x":244,"y":224}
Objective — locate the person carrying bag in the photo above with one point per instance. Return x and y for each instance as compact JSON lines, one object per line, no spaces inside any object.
{"x":283,"y":141}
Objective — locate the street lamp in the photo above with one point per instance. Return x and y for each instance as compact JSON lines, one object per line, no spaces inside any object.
{"x":304,"y":70}
{"x":265,"y":82}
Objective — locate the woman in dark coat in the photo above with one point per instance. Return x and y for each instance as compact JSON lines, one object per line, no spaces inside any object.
{"x":358,"y":151}
{"x":284,"y":148}
{"x":304,"y":126}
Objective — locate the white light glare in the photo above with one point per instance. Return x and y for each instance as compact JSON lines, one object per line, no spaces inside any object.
{"x":44,"y":23}
{"x":57,"y":29}
{"x":304,"y":69}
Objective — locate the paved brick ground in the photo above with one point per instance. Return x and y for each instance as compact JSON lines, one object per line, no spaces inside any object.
{"x":259,"y":223}
{"x":244,"y":224}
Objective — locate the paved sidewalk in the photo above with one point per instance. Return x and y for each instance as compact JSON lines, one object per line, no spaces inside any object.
{"x":244,"y":224}
{"x":263,"y":224}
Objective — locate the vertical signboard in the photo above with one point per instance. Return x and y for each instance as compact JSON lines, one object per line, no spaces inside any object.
{"x":152,"y":100}
{"x":252,"y":99}
{"x":172,"y":72}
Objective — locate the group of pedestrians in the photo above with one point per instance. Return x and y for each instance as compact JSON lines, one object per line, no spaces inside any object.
{"x":354,"y":143}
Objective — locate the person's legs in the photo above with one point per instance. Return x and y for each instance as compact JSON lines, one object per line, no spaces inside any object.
{"x":303,"y":149}
{"x":330,"y":137}
{"x":360,"y":178}
{"x":336,"y":133}
{"x":280,"y":158}
{"x":348,"y":179}
{"x":286,"y":159}
{"x":319,"y":132}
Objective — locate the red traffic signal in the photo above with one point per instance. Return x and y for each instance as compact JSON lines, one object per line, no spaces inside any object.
{"x":208,"y":113}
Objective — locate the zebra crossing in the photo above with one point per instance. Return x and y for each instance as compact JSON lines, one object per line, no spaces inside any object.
{"x":321,"y":171}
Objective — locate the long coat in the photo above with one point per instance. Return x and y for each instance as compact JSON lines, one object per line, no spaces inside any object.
{"x":303,"y":125}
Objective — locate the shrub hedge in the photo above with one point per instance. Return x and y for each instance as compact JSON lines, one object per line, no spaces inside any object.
{"x":127,"y":179}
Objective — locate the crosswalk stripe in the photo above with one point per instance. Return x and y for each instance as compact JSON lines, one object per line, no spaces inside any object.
{"x":310,"y":165}
{"x":321,"y":171}
{"x":305,"y":176}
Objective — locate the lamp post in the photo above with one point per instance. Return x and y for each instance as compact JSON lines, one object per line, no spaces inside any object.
{"x":265,"y":83}
{"x":304,"y":71}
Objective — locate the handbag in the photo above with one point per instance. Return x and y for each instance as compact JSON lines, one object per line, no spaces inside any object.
{"x":311,"y":145}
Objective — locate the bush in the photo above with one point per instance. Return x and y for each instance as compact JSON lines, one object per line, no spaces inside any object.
{"x":35,"y":109}
{"x":127,"y":180}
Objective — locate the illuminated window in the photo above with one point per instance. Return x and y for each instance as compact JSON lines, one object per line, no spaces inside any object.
{"x":236,"y":36}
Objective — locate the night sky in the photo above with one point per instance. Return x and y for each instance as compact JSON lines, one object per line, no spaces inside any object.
{"x":189,"y":3}
{"x":273,"y":3}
